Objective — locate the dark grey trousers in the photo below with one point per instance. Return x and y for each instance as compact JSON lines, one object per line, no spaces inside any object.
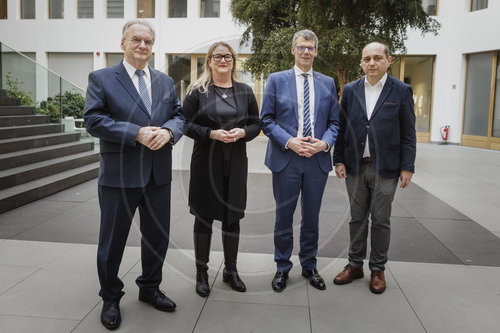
{"x":370,"y":195}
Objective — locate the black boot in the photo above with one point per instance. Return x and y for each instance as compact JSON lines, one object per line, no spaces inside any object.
{"x":230,"y":241}
{"x":201,"y":253}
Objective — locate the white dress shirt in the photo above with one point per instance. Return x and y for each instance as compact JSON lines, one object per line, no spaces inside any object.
{"x":372,"y":93}
{"x":299,"y":81}
{"x":135,"y":79}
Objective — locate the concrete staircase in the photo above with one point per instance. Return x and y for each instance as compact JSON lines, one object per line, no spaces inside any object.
{"x":37,"y":158}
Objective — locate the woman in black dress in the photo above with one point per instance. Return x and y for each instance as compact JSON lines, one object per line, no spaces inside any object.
{"x":222,"y":115}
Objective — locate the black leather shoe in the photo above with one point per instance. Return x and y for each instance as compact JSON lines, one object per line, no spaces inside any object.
{"x":279,"y":281}
{"x":110,"y":315}
{"x":202,"y":287}
{"x":231,"y":276}
{"x":314,"y":278}
{"x":158,"y":299}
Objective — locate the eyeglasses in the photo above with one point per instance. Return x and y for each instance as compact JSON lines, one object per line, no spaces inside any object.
{"x":303,"y":48}
{"x":218,"y":57}
{"x":138,"y":41}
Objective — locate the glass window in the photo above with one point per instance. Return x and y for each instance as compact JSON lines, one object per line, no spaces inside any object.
{"x":28,"y":9}
{"x":3,"y":9}
{"x":430,"y":6}
{"x":210,"y":8}
{"x":478,"y":4}
{"x":85,"y":8}
{"x":145,"y":8}
{"x":418,"y":73}
{"x":496,"y":110}
{"x":115,"y":8}
{"x":177,"y":8}
{"x":200,"y":63}
{"x":395,"y":69}
{"x":179,"y":68}
{"x":56,"y":9}
{"x":113,"y":59}
{"x":244,"y":76}
{"x":477,"y":94}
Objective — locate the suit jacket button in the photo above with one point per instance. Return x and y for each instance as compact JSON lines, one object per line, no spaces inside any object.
{"x":367,"y":126}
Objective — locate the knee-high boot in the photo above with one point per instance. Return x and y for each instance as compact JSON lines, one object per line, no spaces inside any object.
{"x":230,"y":242}
{"x":202,"y":253}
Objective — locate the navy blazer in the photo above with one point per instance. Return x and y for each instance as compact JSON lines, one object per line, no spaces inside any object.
{"x":391,"y":128}
{"x":114,"y":112}
{"x":280,"y":122}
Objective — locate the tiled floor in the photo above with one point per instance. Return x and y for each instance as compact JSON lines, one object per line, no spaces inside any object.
{"x":443,"y":274}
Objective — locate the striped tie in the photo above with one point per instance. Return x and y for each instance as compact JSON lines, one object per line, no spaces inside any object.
{"x":143,"y":90}
{"x":307,"y":116}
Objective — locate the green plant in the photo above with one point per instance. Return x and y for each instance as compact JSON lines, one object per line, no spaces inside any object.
{"x":72,"y":104}
{"x":50,"y":109}
{"x":14,"y":90}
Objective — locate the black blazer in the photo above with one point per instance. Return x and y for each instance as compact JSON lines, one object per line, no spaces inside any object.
{"x":391,"y":128}
{"x":206,"y":186}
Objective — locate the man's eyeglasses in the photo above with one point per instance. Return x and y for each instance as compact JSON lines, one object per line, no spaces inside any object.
{"x":218,"y":57}
{"x":138,"y":41}
{"x":303,"y":48}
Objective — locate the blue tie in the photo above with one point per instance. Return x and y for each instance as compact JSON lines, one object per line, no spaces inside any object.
{"x":143,"y":90}
{"x":307,"y":117}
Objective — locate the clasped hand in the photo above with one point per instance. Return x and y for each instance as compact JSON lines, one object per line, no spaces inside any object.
{"x":153,"y":137}
{"x":227,"y":136}
{"x":307,"y":146}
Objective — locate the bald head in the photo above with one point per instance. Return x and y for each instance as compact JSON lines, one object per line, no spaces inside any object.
{"x":377,"y":44}
{"x":375,"y":61}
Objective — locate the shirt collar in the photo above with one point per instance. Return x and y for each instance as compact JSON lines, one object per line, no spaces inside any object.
{"x":380,"y":83}
{"x":131,"y":69}
{"x":299,"y":71}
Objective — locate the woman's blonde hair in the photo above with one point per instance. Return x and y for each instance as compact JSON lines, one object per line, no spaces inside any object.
{"x":205,"y":79}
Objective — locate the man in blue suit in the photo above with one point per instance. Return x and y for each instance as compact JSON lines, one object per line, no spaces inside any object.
{"x":375,"y":147}
{"x":300,"y":117}
{"x":134,"y":111}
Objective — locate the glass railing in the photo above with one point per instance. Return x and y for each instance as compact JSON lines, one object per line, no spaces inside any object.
{"x":39,"y":87}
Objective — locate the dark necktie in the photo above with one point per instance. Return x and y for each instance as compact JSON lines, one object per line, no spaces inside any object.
{"x":307,"y":117}
{"x":143,"y":90}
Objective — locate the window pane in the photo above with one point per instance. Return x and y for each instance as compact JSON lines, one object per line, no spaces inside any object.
{"x":179,"y":68}
{"x":56,"y":9}
{"x":28,"y":9}
{"x":429,"y":6}
{"x":3,"y":9}
{"x":113,"y":59}
{"x":244,"y":76}
{"x":85,"y":8}
{"x":200,"y":62}
{"x":496,"y":110}
{"x":115,"y":8}
{"x":395,"y":69}
{"x":145,"y":8}
{"x":177,"y":8}
{"x":418,"y":73}
{"x":477,"y":94}
{"x":210,"y":8}
{"x":479,"y":4}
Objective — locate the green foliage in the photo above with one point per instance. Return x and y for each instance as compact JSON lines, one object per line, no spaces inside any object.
{"x":50,"y":109}
{"x":14,"y":90}
{"x":343,"y":27}
{"x":72,"y":104}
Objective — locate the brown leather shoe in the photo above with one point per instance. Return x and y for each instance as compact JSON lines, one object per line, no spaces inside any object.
{"x":377,"y":282}
{"x":349,"y":274}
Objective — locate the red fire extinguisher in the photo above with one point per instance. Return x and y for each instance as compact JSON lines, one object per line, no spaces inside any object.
{"x":445,"y":130}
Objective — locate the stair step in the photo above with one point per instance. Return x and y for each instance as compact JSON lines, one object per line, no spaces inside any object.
{"x":17,"y":144}
{"x":8,"y":101}
{"x":30,"y":130}
{"x":28,"y":156}
{"x":22,"y":194}
{"x":23,"y":120}
{"x":30,"y":172}
{"x":16,"y":110}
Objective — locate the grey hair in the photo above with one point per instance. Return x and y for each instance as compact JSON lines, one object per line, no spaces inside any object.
{"x":307,"y":35}
{"x":130,"y":23}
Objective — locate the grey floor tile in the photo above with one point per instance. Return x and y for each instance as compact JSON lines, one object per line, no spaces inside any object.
{"x":16,"y":324}
{"x":449,"y":298}
{"x":238,"y":317}
{"x":79,"y":193}
{"x":31,"y":254}
{"x":12,"y":275}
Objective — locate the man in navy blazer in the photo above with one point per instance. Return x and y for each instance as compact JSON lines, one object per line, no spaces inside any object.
{"x":134,"y":111}
{"x":375,"y":147}
{"x":300,"y":117}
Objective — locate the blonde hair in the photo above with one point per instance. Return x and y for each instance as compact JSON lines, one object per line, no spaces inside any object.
{"x":205,"y":79}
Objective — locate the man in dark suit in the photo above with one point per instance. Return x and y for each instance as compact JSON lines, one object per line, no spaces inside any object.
{"x":134,"y":111}
{"x":300,"y":117}
{"x":376,"y":145}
